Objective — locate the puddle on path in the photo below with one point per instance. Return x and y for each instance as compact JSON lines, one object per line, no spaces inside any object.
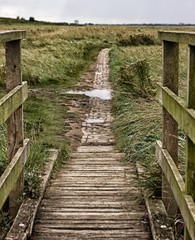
{"x":89,"y":120}
{"x":103,"y":94}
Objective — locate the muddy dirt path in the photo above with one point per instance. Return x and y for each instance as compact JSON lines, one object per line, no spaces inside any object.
{"x":95,"y":194}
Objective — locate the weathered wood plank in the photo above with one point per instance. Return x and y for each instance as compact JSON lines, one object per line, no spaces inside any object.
{"x":184,"y":201}
{"x":97,"y":168}
{"x":95,"y":149}
{"x":92,"y":225}
{"x":190,"y":160}
{"x":85,"y":216}
{"x":83,"y":210}
{"x":190,"y":163}
{"x":98,"y":234}
{"x":176,"y":107}
{"x":96,"y":173}
{"x":94,"y":203}
{"x":92,"y":207}
{"x":169,"y":125}
{"x":83,"y":199}
{"x":8,"y":36}
{"x":13,"y":100}
{"x":178,"y":37}
{"x":87,"y":193}
{"x":91,"y":188}
{"x":12,"y":172}
{"x":94,"y":184}
{"x":90,"y":232}
{"x":43,"y":236}
{"x":96,"y":155}
{"x":73,"y":237}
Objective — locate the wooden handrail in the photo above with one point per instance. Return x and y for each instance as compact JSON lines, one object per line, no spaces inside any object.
{"x":9,"y":36}
{"x":177,"y":112}
{"x":12,"y":101}
{"x":11,"y":111}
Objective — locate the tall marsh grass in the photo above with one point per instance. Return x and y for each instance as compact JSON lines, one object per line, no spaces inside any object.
{"x":138,"y":115}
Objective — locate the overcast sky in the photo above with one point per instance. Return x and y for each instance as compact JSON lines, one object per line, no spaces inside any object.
{"x":102,"y":11}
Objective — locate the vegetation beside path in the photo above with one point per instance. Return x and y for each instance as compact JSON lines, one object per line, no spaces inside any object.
{"x":138,"y":125}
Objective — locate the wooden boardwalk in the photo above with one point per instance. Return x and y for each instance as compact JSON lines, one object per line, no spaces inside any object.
{"x":95,"y":195}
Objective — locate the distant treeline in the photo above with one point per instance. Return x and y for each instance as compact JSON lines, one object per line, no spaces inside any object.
{"x":4,"y":20}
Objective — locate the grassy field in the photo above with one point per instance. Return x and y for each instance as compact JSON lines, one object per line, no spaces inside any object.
{"x":54,"y":58}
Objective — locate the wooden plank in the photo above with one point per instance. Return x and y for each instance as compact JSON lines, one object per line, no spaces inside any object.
{"x":14,"y":99}
{"x":83,"y":210}
{"x":44,"y":236}
{"x":95,"y":204}
{"x":97,"y":155}
{"x":169,"y":125}
{"x":85,"y":216}
{"x":83,"y":199}
{"x":80,"y":163}
{"x":190,"y":163}
{"x":15,"y":121}
{"x":8,"y":36}
{"x":95,"y":149}
{"x":87,"y":193}
{"x":98,"y":167}
{"x":91,"y":188}
{"x":12,"y":172}
{"x":176,"y":107}
{"x":184,"y":201}
{"x":92,"y":225}
{"x":91,"y":234}
{"x":190,"y":160}
{"x":94,"y":184}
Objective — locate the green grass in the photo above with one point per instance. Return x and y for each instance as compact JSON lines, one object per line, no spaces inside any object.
{"x":44,"y":125}
{"x":138,"y":115}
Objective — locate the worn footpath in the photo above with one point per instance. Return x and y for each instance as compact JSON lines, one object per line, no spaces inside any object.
{"x":95,"y":195}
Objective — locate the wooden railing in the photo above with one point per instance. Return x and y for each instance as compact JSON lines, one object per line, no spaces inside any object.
{"x":11,"y":111}
{"x":177,"y":112}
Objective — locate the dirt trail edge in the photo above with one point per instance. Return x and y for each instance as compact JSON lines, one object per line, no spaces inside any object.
{"x":95,"y":195}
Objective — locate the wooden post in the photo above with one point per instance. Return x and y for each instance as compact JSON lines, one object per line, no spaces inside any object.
{"x":170,"y":126}
{"x":15,"y":122}
{"x":190,"y":161}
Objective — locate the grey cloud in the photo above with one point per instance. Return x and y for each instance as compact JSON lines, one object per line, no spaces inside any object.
{"x":108,"y":11}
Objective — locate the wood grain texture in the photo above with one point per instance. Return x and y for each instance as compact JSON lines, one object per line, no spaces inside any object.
{"x":15,"y":121}
{"x":170,"y":126}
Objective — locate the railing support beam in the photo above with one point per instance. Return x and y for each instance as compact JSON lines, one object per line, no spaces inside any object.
{"x":15,"y":122}
{"x":170,"y":126}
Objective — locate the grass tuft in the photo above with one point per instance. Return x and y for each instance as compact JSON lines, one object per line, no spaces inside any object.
{"x":135,"y":40}
{"x":135,"y":78}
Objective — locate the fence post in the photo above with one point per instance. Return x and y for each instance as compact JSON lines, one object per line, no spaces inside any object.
{"x":170,"y":126}
{"x":15,"y":122}
{"x":190,"y":161}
